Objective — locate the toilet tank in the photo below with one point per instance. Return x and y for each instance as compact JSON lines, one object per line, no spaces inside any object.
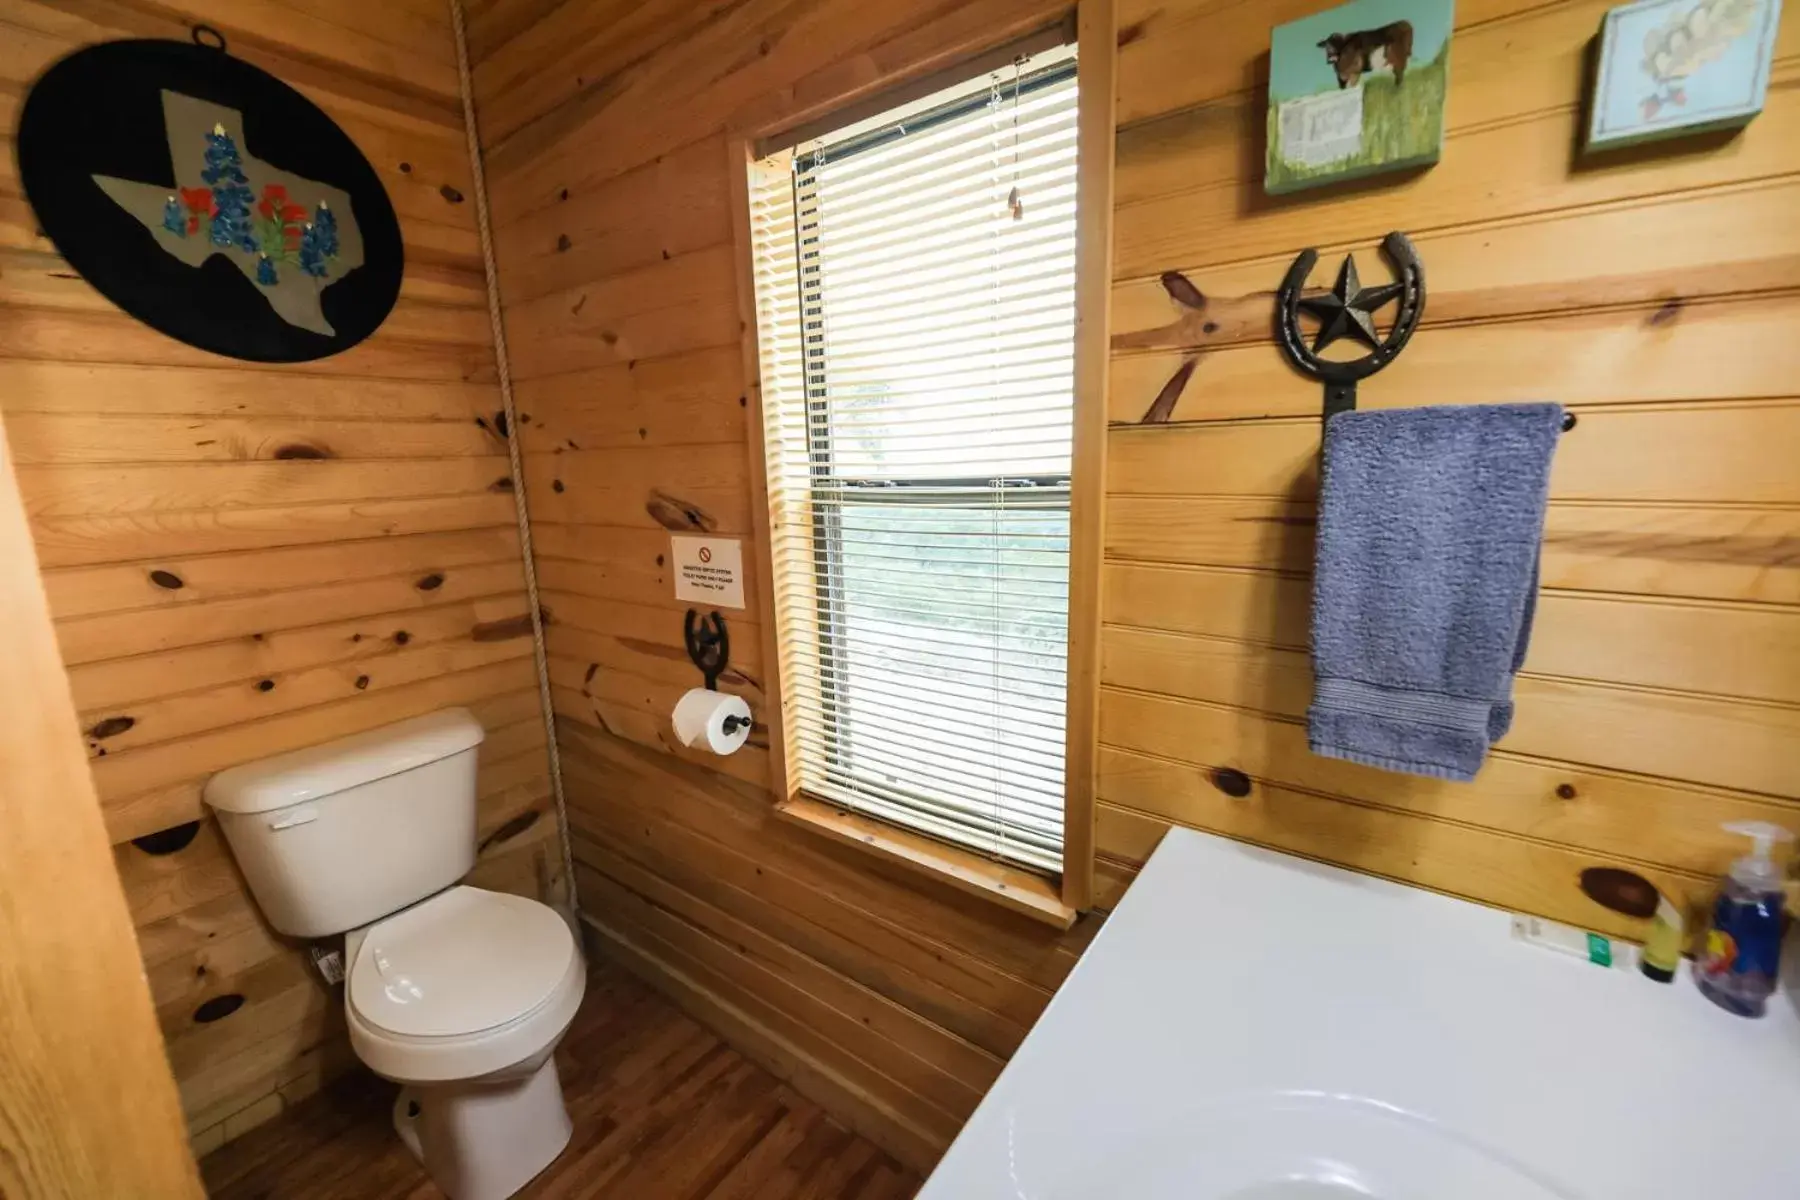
{"x":339,"y":835}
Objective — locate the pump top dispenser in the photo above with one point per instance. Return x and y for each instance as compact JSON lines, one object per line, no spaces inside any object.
{"x":1742,"y":957}
{"x":1757,"y":869}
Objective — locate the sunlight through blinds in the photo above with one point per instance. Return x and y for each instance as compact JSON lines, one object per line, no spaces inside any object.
{"x":915,"y":280}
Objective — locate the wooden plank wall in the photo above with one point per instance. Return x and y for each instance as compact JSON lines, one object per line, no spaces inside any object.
{"x":1654,"y":292}
{"x":605,"y":126}
{"x":86,"y":1099}
{"x":244,"y":560}
{"x":1647,"y":291}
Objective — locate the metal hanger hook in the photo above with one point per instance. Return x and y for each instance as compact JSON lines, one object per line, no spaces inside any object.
{"x":1348,"y":310}
{"x":708,"y":645}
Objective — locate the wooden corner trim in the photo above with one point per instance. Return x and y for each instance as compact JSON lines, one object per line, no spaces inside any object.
{"x":1098,"y":42}
{"x":1029,"y":895}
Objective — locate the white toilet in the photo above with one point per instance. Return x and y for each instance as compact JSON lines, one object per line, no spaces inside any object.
{"x":458,"y":993}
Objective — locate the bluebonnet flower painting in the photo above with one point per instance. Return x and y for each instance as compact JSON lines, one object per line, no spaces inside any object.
{"x":231,"y":192}
{"x":210,"y":200}
{"x":319,"y":244}
{"x":229,"y":202}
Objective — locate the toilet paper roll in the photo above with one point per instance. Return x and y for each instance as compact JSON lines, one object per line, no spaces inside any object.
{"x":715,"y":721}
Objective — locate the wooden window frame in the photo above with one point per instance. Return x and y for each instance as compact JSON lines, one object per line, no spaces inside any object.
{"x":1055,"y":901}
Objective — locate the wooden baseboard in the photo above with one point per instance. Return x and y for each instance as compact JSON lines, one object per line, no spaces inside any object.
{"x":814,"y":1079}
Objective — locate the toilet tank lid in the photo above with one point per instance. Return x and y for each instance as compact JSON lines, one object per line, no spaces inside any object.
{"x":316,"y":771}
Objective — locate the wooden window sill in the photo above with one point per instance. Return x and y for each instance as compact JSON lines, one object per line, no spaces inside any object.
{"x":1020,"y":891}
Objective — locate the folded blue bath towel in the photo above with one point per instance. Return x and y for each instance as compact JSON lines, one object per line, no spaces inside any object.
{"x":1430,"y":521}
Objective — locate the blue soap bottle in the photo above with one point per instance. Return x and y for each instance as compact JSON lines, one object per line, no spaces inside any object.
{"x":1740,"y":961}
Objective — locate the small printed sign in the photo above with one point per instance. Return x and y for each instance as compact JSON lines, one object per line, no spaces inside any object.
{"x":708,"y":570}
{"x":1316,"y":131}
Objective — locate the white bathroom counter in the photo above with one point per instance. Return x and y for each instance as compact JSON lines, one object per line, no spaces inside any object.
{"x":1259,"y":1027}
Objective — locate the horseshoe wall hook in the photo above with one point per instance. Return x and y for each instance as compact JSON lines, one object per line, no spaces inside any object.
{"x":1348,"y":311}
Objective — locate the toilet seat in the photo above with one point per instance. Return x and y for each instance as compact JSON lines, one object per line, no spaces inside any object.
{"x":463,"y":985}
{"x":463,"y":962}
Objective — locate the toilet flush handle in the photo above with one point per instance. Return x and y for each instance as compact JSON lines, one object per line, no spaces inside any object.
{"x":288,"y":818}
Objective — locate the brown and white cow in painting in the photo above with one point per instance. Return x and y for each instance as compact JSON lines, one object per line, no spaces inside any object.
{"x":1353,"y":54}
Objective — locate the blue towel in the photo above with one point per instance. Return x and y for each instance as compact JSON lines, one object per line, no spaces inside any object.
{"x":1430,"y":521}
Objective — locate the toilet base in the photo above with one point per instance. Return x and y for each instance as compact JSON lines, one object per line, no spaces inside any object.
{"x":485,"y":1140}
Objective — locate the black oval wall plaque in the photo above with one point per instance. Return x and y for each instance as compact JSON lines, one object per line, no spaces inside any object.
{"x":210,"y":200}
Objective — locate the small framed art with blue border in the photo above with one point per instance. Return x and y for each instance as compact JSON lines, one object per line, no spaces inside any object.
{"x":1673,"y":68}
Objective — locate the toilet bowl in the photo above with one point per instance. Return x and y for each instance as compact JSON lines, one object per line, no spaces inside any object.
{"x":463,"y":998}
{"x":457,"y":993}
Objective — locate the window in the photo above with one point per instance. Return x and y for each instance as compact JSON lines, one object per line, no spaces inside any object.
{"x":915,"y":290}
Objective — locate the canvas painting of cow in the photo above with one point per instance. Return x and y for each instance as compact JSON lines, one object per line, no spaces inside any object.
{"x":1387,"y":48}
{"x":1356,"y":90}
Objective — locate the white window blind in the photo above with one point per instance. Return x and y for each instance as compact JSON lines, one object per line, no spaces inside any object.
{"x":915,"y":280}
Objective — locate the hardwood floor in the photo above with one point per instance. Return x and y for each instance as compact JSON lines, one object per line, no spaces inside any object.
{"x":662,"y":1109}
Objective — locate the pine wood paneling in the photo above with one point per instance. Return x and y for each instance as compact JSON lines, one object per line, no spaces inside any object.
{"x":569,"y":50}
{"x":159,"y":785}
{"x":112,"y":337}
{"x":192,"y":713}
{"x":220,"y":390}
{"x":757,"y":65}
{"x":109,"y":687}
{"x":1193,"y":157}
{"x":643,"y":641}
{"x":607,"y":131}
{"x":86,"y":1098}
{"x":693,"y":489}
{"x":1608,"y":256}
{"x":1608,"y":813}
{"x":1654,"y":292}
{"x":113,"y":489}
{"x":90,"y":591}
{"x":1620,"y":723}
{"x":674,"y":205}
{"x":1649,"y":291}
{"x":1659,"y":352}
{"x":670,"y":306}
{"x":1668,"y":453}
{"x":1006,"y":962}
{"x":1517,"y":873}
{"x":1723,"y":649}
{"x":1181,"y":54}
{"x":246,"y":558}
{"x":682,"y":400}
{"x":1701,"y":551}
{"x":59,"y":440}
{"x":113,"y":635}
{"x":1233,"y":220}
{"x":67,"y":541}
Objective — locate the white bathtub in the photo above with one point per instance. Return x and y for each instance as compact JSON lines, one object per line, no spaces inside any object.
{"x":1253,"y":1026}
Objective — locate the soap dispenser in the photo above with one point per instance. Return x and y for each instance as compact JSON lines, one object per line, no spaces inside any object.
{"x":1739,"y":964}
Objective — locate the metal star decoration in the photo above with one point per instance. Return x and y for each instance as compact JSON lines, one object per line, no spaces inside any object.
{"x":1349,"y":308}
{"x":1346,"y":311}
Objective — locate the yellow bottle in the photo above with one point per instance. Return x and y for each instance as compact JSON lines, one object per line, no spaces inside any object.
{"x":1662,"y":950}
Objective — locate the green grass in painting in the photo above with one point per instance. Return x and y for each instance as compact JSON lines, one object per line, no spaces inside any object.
{"x":1402,"y":126}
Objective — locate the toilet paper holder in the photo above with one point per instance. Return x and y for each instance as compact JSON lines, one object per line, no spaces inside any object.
{"x":709,"y":648}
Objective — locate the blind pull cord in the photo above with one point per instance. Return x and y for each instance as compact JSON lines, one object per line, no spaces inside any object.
{"x":513,"y":434}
